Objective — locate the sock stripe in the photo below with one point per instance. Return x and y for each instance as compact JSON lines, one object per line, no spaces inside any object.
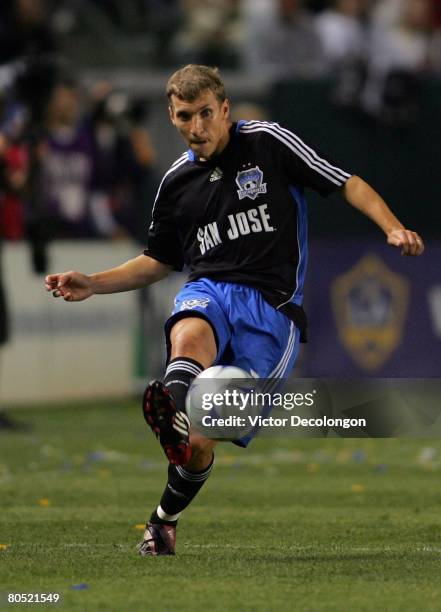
{"x":167,"y":517}
{"x":183,"y":363}
{"x":186,"y":375}
{"x":192,"y":476}
{"x":186,"y":360}
{"x":203,"y":479}
{"x":195,"y":480}
{"x":186,"y":367}
{"x":177,"y":382}
{"x":182,"y":487}
{"x":178,"y":377}
{"x":181,"y":372}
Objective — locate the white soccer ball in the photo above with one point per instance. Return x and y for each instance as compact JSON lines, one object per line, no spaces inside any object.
{"x":214,"y":399}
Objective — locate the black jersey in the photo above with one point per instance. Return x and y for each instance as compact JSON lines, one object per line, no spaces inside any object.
{"x":240,"y":216}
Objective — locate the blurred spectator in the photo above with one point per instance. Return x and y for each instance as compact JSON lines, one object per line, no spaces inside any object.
{"x":165,"y":19}
{"x":258,"y":10}
{"x":66,"y":172}
{"x":124,"y":157}
{"x":150,"y":26}
{"x":210,"y":34}
{"x":93,"y":33}
{"x":14,"y":172}
{"x":402,"y":38}
{"x":342,"y":32}
{"x":23,"y":99}
{"x":385,"y":13}
{"x":402,"y":47}
{"x":437,"y":13}
{"x":24,"y":30}
{"x":285,"y":44}
{"x":14,"y":178}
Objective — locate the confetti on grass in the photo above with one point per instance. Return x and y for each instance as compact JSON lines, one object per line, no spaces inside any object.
{"x":357,"y":488}
{"x":139,"y":526}
{"x":312,"y":468}
{"x":4,"y":546}
{"x":359,"y":456}
{"x":44,"y":502}
{"x":80,"y":587}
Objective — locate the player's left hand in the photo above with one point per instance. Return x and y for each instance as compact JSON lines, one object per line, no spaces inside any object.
{"x":410,"y":242}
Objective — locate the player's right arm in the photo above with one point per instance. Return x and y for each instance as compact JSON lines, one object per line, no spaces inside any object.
{"x":133,"y":274}
{"x":163,"y":254}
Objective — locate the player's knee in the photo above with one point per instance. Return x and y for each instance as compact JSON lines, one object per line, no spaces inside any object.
{"x":193,"y":337}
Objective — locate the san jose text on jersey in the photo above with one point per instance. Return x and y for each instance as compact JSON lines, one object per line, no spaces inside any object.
{"x":240,"y":224}
{"x":241,"y":216}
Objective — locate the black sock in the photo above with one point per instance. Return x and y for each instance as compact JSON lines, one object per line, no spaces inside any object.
{"x":182,"y":487}
{"x":178,"y":377}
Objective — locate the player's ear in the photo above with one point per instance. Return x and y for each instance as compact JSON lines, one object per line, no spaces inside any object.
{"x":171,"y":113}
{"x":225,"y":108}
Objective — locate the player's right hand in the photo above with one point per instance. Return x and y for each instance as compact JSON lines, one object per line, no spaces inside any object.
{"x":410,"y":242}
{"x":71,"y":286}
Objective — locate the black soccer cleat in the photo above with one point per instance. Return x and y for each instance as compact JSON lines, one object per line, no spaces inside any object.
{"x":169,"y":424}
{"x":159,"y":540}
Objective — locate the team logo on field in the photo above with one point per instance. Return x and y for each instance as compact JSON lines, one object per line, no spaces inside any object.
{"x":370,"y":304}
{"x":195,"y":303}
{"x":250,"y":183}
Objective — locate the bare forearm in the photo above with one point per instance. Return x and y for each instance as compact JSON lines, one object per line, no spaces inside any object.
{"x":361,"y":195}
{"x":133,"y":274}
{"x":75,"y":286}
{"x":365,"y":199}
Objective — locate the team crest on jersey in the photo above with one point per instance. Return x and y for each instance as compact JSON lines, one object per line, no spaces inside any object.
{"x":195,"y":303}
{"x":250,"y":183}
{"x":370,"y":306}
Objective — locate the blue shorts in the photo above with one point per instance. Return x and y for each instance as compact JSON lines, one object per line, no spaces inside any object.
{"x":250,"y":333}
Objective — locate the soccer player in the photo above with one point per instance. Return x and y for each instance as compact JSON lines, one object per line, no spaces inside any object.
{"x":232,"y":209}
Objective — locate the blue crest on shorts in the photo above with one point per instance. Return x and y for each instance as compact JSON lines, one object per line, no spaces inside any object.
{"x":250,"y":183}
{"x":195,"y":303}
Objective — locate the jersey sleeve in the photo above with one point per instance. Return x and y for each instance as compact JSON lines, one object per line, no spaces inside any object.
{"x":305,"y":165}
{"x":163,"y":241}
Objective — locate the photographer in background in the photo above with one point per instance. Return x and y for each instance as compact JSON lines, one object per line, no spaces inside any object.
{"x":124,"y":156}
{"x":74,"y":204}
{"x":19,"y":215}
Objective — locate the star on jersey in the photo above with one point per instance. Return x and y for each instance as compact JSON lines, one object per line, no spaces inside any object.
{"x":250,"y":183}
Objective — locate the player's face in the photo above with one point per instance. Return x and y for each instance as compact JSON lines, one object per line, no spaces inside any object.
{"x":204,"y":123}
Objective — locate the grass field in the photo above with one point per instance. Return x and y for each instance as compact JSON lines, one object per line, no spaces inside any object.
{"x":287,"y":524}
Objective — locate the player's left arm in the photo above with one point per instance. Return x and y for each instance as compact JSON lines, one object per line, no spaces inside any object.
{"x":361,"y":195}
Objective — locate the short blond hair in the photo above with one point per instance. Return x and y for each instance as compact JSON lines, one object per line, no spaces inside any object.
{"x":190,"y":81}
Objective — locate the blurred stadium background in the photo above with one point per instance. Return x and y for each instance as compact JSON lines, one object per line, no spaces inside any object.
{"x":84,"y":140}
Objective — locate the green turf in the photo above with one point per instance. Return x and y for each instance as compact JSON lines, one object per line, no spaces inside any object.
{"x":287,"y":524}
